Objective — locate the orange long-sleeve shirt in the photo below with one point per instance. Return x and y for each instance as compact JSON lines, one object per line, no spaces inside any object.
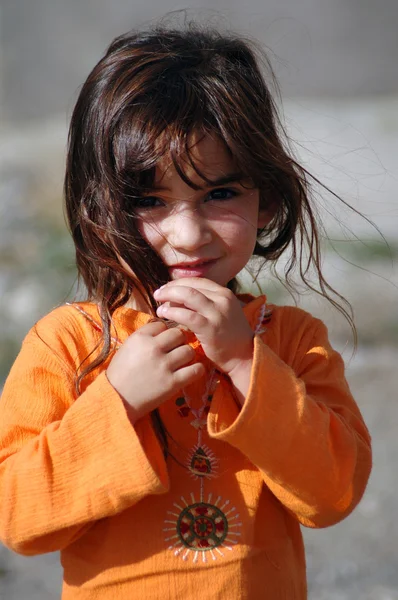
{"x":219,"y":521}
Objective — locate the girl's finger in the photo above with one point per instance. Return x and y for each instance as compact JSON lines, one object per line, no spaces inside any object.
{"x":209,"y":294}
{"x":193,"y":320}
{"x":152,"y":328}
{"x":170,"y":339}
{"x":185,"y":296}
{"x":186,"y":375}
{"x":198,"y":283}
{"x":180,"y":357}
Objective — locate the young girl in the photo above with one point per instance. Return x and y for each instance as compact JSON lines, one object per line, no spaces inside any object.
{"x":169,"y":436}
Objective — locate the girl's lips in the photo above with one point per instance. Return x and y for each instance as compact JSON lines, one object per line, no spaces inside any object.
{"x":196,"y":270}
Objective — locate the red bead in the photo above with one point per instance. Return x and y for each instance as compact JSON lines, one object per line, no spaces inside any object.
{"x":184,"y":411}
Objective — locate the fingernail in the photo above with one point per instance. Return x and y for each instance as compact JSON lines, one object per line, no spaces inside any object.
{"x":158,"y":290}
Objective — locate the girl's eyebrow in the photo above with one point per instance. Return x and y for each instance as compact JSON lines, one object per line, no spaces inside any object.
{"x":230,"y":178}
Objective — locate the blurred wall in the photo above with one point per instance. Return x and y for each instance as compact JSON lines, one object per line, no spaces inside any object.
{"x":325,"y":47}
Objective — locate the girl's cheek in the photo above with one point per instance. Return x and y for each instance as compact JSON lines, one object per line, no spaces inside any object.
{"x":150,"y":231}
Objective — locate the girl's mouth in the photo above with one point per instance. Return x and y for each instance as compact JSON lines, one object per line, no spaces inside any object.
{"x":196,"y":269}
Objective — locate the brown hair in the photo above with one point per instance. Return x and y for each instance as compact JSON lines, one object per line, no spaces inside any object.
{"x":147,"y":96}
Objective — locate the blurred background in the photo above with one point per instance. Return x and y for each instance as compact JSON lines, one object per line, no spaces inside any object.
{"x":337,"y":65}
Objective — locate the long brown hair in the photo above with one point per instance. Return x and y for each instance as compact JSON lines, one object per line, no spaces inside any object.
{"x":150,"y":92}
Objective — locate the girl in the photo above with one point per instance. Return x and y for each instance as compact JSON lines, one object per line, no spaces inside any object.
{"x":169,"y":436}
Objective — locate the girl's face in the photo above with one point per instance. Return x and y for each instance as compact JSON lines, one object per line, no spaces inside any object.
{"x":210,"y":232}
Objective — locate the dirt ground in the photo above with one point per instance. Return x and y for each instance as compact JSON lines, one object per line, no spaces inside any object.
{"x":355,"y":560}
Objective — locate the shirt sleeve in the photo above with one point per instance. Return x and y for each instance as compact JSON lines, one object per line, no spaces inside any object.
{"x":67,"y":461}
{"x":302,"y":428}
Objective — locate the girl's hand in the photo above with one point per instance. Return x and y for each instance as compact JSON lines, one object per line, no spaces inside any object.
{"x":152,"y":365}
{"x":214,"y":314}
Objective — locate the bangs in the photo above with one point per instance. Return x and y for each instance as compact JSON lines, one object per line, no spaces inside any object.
{"x":166,"y":122}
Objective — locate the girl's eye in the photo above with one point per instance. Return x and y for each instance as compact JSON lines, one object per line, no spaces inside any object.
{"x":222,"y":194}
{"x":147,"y":202}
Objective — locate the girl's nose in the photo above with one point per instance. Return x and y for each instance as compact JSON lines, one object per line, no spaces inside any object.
{"x":188,"y":229}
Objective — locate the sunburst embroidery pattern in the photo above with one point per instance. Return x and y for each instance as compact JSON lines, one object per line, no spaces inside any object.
{"x":202,"y":527}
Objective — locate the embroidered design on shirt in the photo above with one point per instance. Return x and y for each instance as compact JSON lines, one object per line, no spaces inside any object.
{"x":202,"y":527}
{"x":201,"y":462}
{"x":263,"y":319}
{"x":183,"y":408}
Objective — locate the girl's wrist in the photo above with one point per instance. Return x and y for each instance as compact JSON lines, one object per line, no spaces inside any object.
{"x":132,"y":414}
{"x":240,"y":377}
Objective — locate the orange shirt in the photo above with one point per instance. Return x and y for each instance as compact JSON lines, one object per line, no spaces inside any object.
{"x":219,"y":520}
